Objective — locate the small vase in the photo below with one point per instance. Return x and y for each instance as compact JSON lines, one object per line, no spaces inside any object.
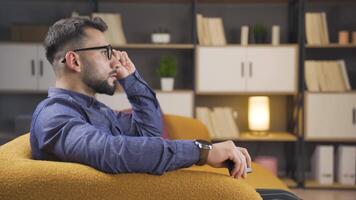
{"x":167,"y":84}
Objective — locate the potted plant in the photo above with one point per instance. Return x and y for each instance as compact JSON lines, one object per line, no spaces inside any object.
{"x":167,"y":70}
{"x":260,"y":33}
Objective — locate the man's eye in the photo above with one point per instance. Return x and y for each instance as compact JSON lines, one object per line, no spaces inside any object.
{"x":104,"y":53}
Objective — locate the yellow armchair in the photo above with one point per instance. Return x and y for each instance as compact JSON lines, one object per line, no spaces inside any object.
{"x":24,"y":178}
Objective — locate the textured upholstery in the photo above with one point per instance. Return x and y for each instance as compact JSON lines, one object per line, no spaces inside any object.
{"x":24,"y":178}
{"x":188,"y":128}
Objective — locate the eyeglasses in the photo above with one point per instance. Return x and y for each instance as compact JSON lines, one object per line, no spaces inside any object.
{"x":108,"y":51}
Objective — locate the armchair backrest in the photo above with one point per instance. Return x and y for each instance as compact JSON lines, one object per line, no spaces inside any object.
{"x":185,"y":128}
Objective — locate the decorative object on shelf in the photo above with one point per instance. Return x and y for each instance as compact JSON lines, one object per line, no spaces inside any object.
{"x":343,"y":37}
{"x":269,"y":162}
{"x":167,"y":71}
{"x":258,"y":115}
{"x":244,"y":35}
{"x":259,"y":33}
{"x":161,"y":37}
{"x":353,"y":37}
{"x":275,"y":34}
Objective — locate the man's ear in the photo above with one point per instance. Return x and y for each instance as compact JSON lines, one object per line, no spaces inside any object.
{"x":72,"y":61}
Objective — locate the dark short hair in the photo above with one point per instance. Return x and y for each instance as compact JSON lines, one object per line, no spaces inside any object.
{"x":67,"y":31}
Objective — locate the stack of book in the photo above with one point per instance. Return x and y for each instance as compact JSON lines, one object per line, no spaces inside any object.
{"x":316,"y":28}
{"x":219,"y":121}
{"x":326,"y":76}
{"x":210,"y":30}
{"x":115,"y":33}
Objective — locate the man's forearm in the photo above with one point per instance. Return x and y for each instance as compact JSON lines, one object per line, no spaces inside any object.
{"x":146,"y":119}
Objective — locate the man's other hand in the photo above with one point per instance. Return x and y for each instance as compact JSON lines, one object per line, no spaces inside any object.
{"x":227,"y":150}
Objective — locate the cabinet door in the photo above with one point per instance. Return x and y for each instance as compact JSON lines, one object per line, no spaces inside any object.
{"x":330,"y":115}
{"x":18,"y":67}
{"x":220,"y":69}
{"x":271,"y":69}
{"x":45,"y":73}
{"x":177,"y":103}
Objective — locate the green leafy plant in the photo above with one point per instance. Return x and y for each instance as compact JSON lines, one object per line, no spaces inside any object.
{"x":167,"y":66}
{"x":260,"y":33}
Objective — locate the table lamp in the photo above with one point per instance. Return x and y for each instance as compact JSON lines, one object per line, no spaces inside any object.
{"x":258,"y":115}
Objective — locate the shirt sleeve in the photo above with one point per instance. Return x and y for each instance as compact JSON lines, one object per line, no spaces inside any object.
{"x":67,"y":136}
{"x":146,"y":117}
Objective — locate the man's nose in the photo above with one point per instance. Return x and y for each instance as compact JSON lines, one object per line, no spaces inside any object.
{"x":115,"y":59}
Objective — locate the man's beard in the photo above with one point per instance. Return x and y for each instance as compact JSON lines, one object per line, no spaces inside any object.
{"x":99,"y":86}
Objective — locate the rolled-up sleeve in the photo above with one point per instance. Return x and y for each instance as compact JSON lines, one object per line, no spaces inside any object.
{"x":66,"y":135}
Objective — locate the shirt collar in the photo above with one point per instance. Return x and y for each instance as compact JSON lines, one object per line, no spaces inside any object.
{"x":81,"y":98}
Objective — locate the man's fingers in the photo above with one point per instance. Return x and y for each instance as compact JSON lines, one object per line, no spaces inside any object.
{"x":246,"y":154}
{"x":124,"y":58}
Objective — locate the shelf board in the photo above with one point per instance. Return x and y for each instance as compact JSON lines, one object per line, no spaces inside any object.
{"x":155,"y":46}
{"x":333,"y":92}
{"x":329,"y":46}
{"x":245,"y":93}
{"x":175,"y":91}
{"x":250,"y":45}
{"x":199,"y":2}
{"x":271,"y":137}
{"x":315,"y":184}
{"x":289,"y":182}
{"x":330,"y":139}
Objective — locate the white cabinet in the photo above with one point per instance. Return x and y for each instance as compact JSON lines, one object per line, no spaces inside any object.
{"x":330,"y":115}
{"x":176,"y":102}
{"x":246,"y":69}
{"x":24,"y":67}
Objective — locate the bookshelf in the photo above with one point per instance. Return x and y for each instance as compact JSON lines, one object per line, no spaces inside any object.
{"x":337,"y":20}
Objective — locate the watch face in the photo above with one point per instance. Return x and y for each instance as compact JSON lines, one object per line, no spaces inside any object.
{"x":204,"y":144}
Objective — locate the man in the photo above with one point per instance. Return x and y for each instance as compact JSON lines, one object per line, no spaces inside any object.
{"x":71,"y":125}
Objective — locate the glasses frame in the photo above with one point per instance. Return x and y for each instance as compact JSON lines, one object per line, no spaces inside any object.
{"x":108,"y":49}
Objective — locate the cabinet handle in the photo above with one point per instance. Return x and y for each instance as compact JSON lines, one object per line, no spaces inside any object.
{"x":242,"y":69}
{"x":33,"y":67}
{"x":353,"y":116}
{"x":250,"y":69}
{"x":41,"y":67}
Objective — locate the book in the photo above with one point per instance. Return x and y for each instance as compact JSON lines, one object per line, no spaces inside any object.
{"x":316,"y":28}
{"x":115,"y":33}
{"x":210,"y":30}
{"x":346,"y":164}
{"x":310,"y":75}
{"x":323,"y":164}
{"x":345,"y":77}
{"x":204,"y":115}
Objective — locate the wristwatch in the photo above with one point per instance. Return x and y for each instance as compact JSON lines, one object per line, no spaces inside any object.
{"x":204,"y":147}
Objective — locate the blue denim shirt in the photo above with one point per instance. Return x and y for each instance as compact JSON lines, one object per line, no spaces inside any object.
{"x":69,"y":126}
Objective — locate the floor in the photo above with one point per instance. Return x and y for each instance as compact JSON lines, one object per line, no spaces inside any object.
{"x":314,"y":194}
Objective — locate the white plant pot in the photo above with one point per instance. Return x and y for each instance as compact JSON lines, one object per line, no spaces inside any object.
{"x":167,"y":84}
{"x":160,"y":38}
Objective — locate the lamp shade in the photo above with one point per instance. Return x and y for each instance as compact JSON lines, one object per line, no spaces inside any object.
{"x":258,"y":113}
